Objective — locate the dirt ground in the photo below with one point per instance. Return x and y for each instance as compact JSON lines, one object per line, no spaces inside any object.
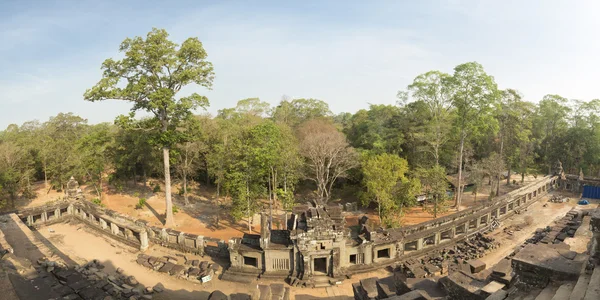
{"x":200,"y":216}
{"x":81,"y":245}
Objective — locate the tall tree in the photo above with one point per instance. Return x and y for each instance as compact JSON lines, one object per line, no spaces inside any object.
{"x":327,"y":153}
{"x":150,"y":75}
{"x":550,"y":122}
{"x":93,"y":150}
{"x":474,"y":94}
{"x":434,"y":88}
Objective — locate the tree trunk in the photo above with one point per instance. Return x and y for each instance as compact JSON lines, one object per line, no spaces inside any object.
{"x":522,"y":177}
{"x":248,"y":202}
{"x":498,"y":185}
{"x":185,"y":193}
{"x":144,"y":174}
{"x":45,"y":176}
{"x":379,"y":211}
{"x":508,"y":175}
{"x":217,"y":203}
{"x":270,"y":201}
{"x":169,"y":221}
{"x":134,"y":177}
{"x":460,"y":161}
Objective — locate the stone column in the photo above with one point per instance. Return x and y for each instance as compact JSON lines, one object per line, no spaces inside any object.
{"x":57,"y":213}
{"x":437,"y":238}
{"x":114,"y":229}
{"x":44,"y":217}
{"x":200,"y":244}
{"x":103,"y":224}
{"x":30,"y":220}
{"x":181,"y":239}
{"x":164,"y":235}
{"x":70,"y":209}
{"x":143,"y":240}
{"x":420,"y":244}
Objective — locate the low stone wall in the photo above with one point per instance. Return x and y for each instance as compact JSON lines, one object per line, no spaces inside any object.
{"x":416,"y":240}
{"x":123,"y":228}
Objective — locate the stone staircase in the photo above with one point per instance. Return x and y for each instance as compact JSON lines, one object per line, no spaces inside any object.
{"x":587,"y":287}
{"x":394,"y":287}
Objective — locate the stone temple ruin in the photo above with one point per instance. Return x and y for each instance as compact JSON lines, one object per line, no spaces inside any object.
{"x":318,"y":249}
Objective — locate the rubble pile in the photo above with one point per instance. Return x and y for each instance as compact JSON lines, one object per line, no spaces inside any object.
{"x":565,"y":227}
{"x":193,"y":270}
{"x":90,"y":281}
{"x":448,"y":260}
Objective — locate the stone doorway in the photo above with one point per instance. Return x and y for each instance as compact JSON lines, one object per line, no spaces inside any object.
{"x":320,"y":265}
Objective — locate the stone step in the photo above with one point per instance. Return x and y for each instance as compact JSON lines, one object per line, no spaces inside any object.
{"x":593,"y":290}
{"x":547,"y":293}
{"x":564,"y":291}
{"x":532,"y":294}
{"x":580,"y":287}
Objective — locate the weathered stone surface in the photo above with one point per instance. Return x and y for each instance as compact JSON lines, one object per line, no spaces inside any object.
{"x":386,"y":287}
{"x":538,"y":264}
{"x":177,"y":270}
{"x":217,"y":295}
{"x":413,"y":295}
{"x":166,"y":267}
{"x":476,"y":266}
{"x":593,"y":290}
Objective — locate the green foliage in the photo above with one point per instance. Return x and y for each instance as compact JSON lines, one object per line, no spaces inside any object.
{"x":156,"y":189}
{"x":175,"y":209}
{"x":141,"y":203}
{"x":435,"y":186}
{"x":98,"y":202}
{"x":386,"y":182}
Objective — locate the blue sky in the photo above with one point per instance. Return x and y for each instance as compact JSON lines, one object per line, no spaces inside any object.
{"x":348,"y":53}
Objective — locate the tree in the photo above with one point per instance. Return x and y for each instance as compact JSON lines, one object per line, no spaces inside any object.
{"x":150,"y":75}
{"x":62,"y":160}
{"x":382,"y":173}
{"x":375,"y":129}
{"x":494,"y":167}
{"x":93,"y":148}
{"x":298,"y":111}
{"x":550,"y":121}
{"x":474,"y":94}
{"x":327,"y":153}
{"x":434,"y":88}
{"x":15,"y":170}
{"x":188,"y":153}
{"x":435,"y":186}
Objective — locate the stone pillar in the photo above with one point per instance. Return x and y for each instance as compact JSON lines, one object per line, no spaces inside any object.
{"x":30,"y":220}
{"x":437,"y":238}
{"x":164,"y":235}
{"x":57,"y":213}
{"x":44,"y":217}
{"x":477,"y":222}
{"x":420,"y":244}
{"x":103,"y":224}
{"x":453,"y":232}
{"x":595,"y":228}
{"x":70,"y":209}
{"x":143,"y":240}
{"x":128,"y":233}
{"x":114,"y":229}
{"x":181,"y":239}
{"x":200,"y":244}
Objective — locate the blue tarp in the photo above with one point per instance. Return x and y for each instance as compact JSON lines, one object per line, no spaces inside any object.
{"x":591,"y":192}
{"x":583,"y":202}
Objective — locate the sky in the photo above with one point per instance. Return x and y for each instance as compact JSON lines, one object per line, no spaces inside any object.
{"x":348,"y":53}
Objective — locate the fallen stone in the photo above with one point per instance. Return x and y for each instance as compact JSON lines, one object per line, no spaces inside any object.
{"x":217,"y":295}
{"x":147,"y":297}
{"x":119,"y":271}
{"x":131,"y":281}
{"x":159,"y":288}
{"x":166,"y":268}
{"x":476,"y":266}
{"x":195,"y":262}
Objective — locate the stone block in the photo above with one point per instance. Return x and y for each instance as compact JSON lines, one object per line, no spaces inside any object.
{"x":476,"y":266}
{"x":166,"y":267}
{"x":370,"y":287}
